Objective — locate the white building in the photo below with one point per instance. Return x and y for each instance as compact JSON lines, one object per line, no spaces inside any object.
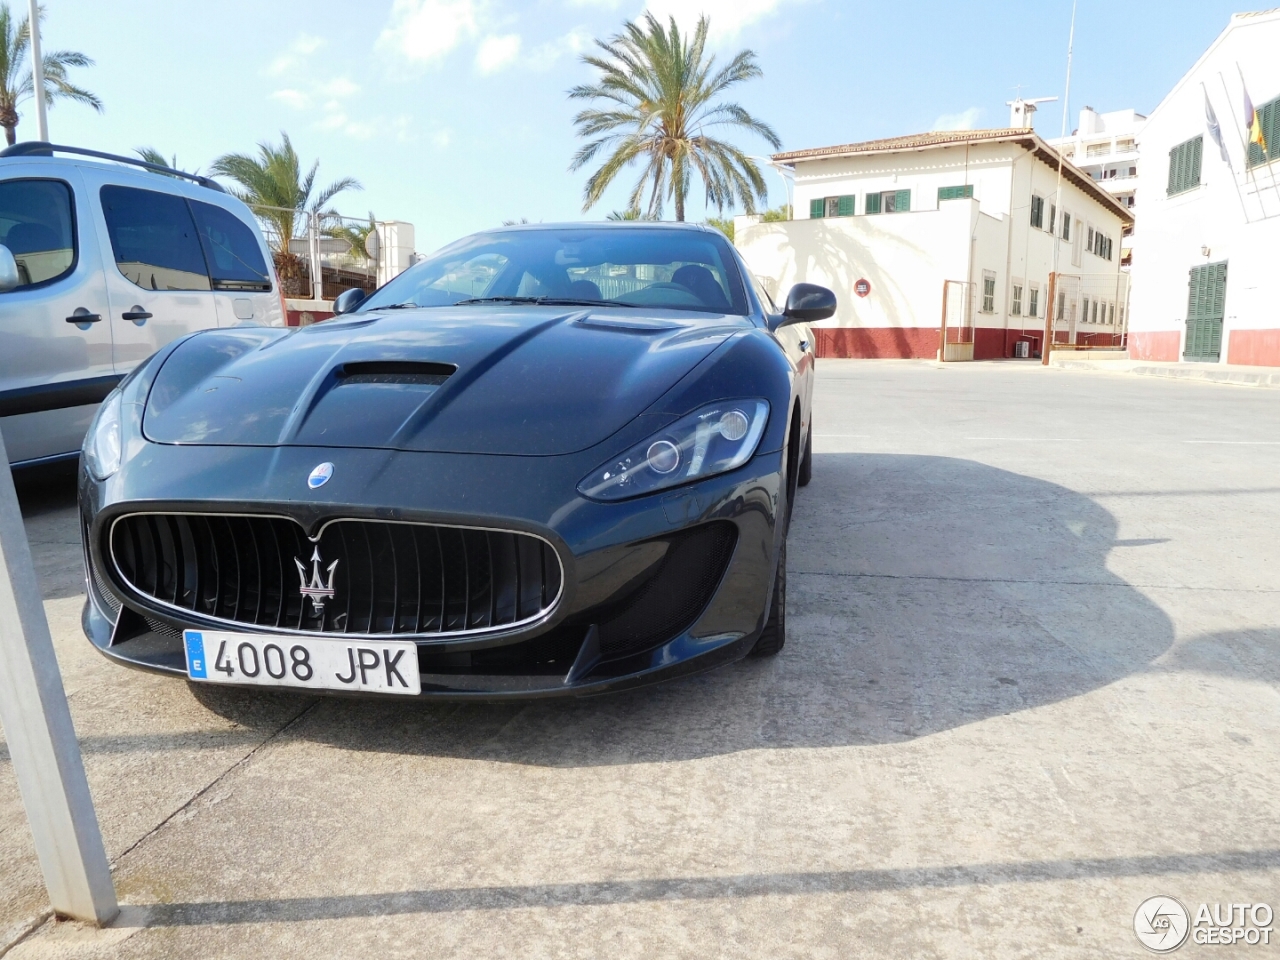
{"x":965,"y":220}
{"x":1105,"y":146}
{"x":1205,"y":285}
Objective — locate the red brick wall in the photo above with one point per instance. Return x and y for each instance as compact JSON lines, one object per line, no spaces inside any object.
{"x":1258,"y":348}
{"x":302,"y":318}
{"x":1154,"y":344}
{"x":877,"y":343}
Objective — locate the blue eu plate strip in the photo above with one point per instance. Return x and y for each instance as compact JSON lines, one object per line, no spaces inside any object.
{"x":195,"y":654}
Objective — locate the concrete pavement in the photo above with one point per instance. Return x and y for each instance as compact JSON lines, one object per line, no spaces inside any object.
{"x":1032,"y":678}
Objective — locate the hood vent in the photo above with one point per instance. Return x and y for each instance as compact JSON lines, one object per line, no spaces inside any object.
{"x":396,"y":372}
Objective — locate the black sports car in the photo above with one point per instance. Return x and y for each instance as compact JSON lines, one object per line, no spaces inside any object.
{"x":546,"y":460}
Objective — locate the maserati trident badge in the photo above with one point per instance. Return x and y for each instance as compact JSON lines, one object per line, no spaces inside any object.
{"x":318,"y":590}
{"x":320,"y":475}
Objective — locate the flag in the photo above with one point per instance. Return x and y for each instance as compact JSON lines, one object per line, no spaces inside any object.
{"x":1252,"y":122}
{"x":1215,"y":130}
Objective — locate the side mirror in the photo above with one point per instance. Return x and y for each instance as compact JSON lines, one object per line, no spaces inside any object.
{"x":806,"y":303}
{"x":9,"y":277}
{"x":348,"y":300}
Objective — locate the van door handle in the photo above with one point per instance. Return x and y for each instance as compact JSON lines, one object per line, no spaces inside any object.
{"x":137,"y":315}
{"x":81,"y":315}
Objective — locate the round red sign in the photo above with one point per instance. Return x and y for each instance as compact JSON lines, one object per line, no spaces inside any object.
{"x":862,"y":288}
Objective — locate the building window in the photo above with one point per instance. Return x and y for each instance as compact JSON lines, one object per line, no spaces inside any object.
{"x":988,"y":292}
{"x":1184,"y":166}
{"x":1097,"y":150}
{"x":1084,"y":314}
{"x":890,"y":201}
{"x":1093,"y":240}
{"x":1053,"y":218}
{"x":1095,"y":312}
{"x":1033,"y":300}
{"x":1269,"y":121}
{"x":1125,"y":146}
{"x":831,"y":207}
{"x":1062,"y":306}
{"x":1111,"y":315}
{"x":1066,"y":225}
{"x":1016,"y":308}
{"x":955,"y":193}
{"x":1037,"y":211}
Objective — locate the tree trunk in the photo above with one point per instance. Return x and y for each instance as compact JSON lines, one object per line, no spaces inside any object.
{"x":679,"y":207}
{"x":10,"y":124}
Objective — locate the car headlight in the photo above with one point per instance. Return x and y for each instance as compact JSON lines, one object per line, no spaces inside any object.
{"x":715,"y":439}
{"x":105,"y":441}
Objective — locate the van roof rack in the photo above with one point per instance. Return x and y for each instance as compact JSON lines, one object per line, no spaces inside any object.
{"x":39,"y":148}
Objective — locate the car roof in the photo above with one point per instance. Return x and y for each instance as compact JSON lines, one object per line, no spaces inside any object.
{"x":606,"y":224}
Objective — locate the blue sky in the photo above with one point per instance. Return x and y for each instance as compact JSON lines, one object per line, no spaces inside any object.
{"x":453,"y":116}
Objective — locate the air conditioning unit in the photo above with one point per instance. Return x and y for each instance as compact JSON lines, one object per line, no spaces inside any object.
{"x":1022,"y":349}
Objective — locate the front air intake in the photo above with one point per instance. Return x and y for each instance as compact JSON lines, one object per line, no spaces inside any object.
{"x":361,"y":577}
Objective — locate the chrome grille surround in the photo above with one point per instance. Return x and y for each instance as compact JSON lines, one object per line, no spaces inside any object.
{"x":406,"y":579}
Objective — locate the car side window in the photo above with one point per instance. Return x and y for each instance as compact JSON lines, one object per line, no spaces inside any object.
{"x":154,"y":239}
{"x":762,"y":294}
{"x":38,"y":227}
{"x":230,"y":249}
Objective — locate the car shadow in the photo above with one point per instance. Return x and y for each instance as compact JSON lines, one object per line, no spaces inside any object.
{"x":926,"y":593}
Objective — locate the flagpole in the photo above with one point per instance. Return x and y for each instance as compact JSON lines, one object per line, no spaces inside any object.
{"x":37,"y":73}
{"x":1266,"y":153}
{"x":1223,"y":150}
{"x":1050,"y":318}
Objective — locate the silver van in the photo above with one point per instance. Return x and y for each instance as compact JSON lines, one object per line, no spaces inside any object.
{"x":101,"y":264}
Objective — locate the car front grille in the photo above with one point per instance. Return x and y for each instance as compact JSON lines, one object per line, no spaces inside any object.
{"x":362,"y":577}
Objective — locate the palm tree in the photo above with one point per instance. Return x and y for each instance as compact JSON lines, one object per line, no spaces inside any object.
{"x":16,"y":83}
{"x":272,"y":183}
{"x":661,"y":93}
{"x":355,"y":234}
{"x":154,"y":156}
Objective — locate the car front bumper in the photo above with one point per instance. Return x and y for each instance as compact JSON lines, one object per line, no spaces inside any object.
{"x":606,"y":552}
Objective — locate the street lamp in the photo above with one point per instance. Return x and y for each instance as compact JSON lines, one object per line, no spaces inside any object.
{"x":786,"y":184}
{"x":37,"y":74}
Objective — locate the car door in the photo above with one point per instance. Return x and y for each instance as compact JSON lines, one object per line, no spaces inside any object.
{"x":158,"y":285}
{"x":55,"y":339}
{"x":238,"y":270}
{"x":796,"y":340}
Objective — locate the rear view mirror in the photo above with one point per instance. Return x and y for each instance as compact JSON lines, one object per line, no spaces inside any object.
{"x":348,"y":300}
{"x":807,"y":303}
{"x":9,"y":277}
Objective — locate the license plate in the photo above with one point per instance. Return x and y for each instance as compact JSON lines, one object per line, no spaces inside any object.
{"x":367,"y":666}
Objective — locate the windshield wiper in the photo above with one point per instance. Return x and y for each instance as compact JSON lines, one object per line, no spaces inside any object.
{"x":547,"y":301}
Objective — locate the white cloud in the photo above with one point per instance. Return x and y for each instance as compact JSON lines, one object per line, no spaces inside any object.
{"x":292,"y":98}
{"x":728,"y":17}
{"x":294,"y":54}
{"x":442,"y":138}
{"x":338,"y":88}
{"x":426,"y":30}
{"x":497,"y":52}
{"x":958,"y":121}
{"x":544,"y":56}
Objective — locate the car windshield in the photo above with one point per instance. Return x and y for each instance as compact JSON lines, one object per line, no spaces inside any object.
{"x":669,"y":269}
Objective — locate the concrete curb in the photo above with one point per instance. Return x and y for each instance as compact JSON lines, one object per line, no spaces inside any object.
{"x":1205,"y":373}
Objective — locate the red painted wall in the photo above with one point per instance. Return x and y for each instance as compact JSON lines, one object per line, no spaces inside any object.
{"x":1154,"y":344}
{"x":296,"y":318}
{"x":877,"y":343}
{"x":1257,"y":348}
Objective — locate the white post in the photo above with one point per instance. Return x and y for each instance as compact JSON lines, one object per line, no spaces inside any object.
{"x":42,"y":742}
{"x":317,"y":270}
{"x":37,"y":73}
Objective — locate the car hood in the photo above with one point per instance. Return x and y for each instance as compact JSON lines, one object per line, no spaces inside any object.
{"x":532,"y":381}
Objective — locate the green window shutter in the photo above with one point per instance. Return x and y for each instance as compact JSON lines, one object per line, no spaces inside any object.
{"x":846,"y":206}
{"x":816,"y":208}
{"x":873,"y":203}
{"x":1184,"y":166}
{"x":902,"y":202}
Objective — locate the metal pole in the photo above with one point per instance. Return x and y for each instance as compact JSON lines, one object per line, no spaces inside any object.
{"x":1049,"y":318}
{"x":313,"y":243}
{"x":42,"y":741}
{"x":1057,"y":195}
{"x":37,"y":73}
{"x":942,"y":333}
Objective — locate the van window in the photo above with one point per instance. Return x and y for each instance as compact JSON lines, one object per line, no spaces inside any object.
{"x":37,"y":226}
{"x":154,"y":239}
{"x":230,"y":249}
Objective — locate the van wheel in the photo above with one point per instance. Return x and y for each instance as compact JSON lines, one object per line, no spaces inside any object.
{"x":806,"y":465}
{"x":774,"y":635}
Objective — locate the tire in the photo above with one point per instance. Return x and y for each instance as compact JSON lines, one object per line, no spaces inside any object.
{"x":774,"y":635}
{"x":806,"y":465}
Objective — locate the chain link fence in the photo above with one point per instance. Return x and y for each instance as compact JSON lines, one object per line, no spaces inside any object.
{"x":318,"y":255}
{"x":1089,"y":310}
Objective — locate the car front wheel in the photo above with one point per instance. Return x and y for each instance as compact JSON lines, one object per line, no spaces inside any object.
{"x":774,"y":634}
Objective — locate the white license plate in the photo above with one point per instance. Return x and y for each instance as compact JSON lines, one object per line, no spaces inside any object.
{"x":367,"y":666}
